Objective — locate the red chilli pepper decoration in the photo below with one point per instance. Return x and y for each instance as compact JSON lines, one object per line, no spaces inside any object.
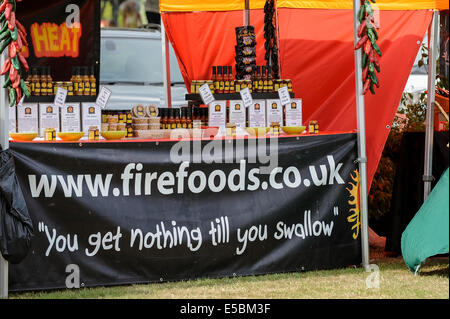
{"x":368,"y":35}
{"x":13,"y":36}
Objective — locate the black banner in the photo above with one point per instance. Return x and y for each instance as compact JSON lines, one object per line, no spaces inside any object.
{"x":137,"y":212}
{"x":62,"y":34}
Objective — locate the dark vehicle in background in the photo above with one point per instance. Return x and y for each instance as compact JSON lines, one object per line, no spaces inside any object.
{"x":131,"y":67}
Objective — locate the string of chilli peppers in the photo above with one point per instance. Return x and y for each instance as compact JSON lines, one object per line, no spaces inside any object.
{"x":367,"y":33}
{"x":13,"y":36}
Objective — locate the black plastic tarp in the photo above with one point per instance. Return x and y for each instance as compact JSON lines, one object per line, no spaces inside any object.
{"x":16,"y":228}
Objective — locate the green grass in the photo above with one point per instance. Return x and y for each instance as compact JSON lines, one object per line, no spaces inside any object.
{"x":396,"y":282}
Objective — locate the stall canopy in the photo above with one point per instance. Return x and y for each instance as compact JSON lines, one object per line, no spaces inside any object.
{"x":316,"y":51}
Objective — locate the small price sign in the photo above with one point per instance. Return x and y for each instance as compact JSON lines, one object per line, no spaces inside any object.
{"x":60,"y":97}
{"x":206,"y":94}
{"x":283,"y":93}
{"x":246,"y":97}
{"x":103,"y":97}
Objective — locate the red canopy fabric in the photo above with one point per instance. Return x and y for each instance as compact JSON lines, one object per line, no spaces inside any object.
{"x":316,"y":51}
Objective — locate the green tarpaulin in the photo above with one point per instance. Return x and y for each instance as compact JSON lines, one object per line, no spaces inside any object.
{"x":427,"y":233}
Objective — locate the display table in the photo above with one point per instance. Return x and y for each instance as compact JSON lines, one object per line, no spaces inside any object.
{"x":408,"y":189}
{"x":149,"y":211}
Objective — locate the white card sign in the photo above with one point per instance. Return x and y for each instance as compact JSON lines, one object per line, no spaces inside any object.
{"x":70,"y":118}
{"x":274,"y":112}
{"x":247,"y":98}
{"x":60,"y":97}
{"x":48,"y":117}
{"x":294,"y":113}
{"x":206,"y":94}
{"x":27,"y":118}
{"x":257,"y":114}
{"x":237,"y":113}
{"x":103,"y":97}
{"x":91,"y":115}
{"x":218,"y":114}
{"x":283,"y":93}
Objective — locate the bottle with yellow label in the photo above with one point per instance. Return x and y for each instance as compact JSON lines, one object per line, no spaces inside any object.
{"x":35,"y":83}
{"x":226,"y":80}
{"x":269,"y":80}
{"x":93,"y":82}
{"x":43,"y":81}
{"x":86,"y":81}
{"x":78,"y":84}
{"x":260,"y":80}
{"x":29,"y":84}
{"x":231,"y":78}
{"x":49,"y":82}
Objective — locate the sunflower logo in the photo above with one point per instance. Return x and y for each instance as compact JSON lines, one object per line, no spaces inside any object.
{"x":354,"y":218}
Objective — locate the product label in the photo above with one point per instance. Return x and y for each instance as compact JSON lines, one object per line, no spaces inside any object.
{"x":294,"y":113}
{"x":237,"y":114}
{"x":27,"y":118}
{"x":91,"y":115}
{"x":60,"y":97}
{"x":70,"y":118}
{"x":103,"y":97}
{"x":217,"y":114}
{"x":48,"y":117}
{"x":274,"y":112}
{"x":246,"y":97}
{"x":283,"y":93}
{"x":206,"y":94}
{"x":257,"y":114}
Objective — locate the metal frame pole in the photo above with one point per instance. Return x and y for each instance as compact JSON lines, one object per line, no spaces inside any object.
{"x":166,"y":65}
{"x":4,"y":142}
{"x":433,"y":33}
{"x":247,"y":13}
{"x":361,"y":118}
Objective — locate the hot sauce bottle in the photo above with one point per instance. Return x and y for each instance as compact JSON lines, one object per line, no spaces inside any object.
{"x":269,"y":80}
{"x":49,"y":82}
{"x":255,"y":80}
{"x":260,"y":79}
{"x":74,"y":83}
{"x":35,"y":83}
{"x":28,"y":83}
{"x":183,"y":118}
{"x":226,"y":80}
{"x":177,"y":118}
{"x":93,"y":82}
{"x":265,"y":80}
{"x":220,"y":79}
{"x":86,"y":81}
{"x":79,"y":84}
{"x":214,"y":77}
{"x":171,"y":120}
{"x":43,"y":82}
{"x":162,"y":114}
{"x":231,"y":79}
{"x":189,"y":117}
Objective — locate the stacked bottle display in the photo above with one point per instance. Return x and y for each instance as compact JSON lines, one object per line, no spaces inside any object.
{"x":82,"y":83}
{"x":184,"y":117}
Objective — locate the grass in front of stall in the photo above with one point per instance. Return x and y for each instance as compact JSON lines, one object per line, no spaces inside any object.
{"x":396,"y":282}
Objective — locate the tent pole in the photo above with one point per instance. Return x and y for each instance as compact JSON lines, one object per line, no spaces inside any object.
{"x":247,"y":13}
{"x":362,"y":157}
{"x":433,"y":33}
{"x":166,"y":66}
{"x":4,"y":142}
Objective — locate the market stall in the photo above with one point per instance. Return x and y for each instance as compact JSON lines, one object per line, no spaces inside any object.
{"x":256,"y":181}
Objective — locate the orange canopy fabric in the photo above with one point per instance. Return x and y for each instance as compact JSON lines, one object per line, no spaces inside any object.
{"x":316,"y":51}
{"x":230,"y":5}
